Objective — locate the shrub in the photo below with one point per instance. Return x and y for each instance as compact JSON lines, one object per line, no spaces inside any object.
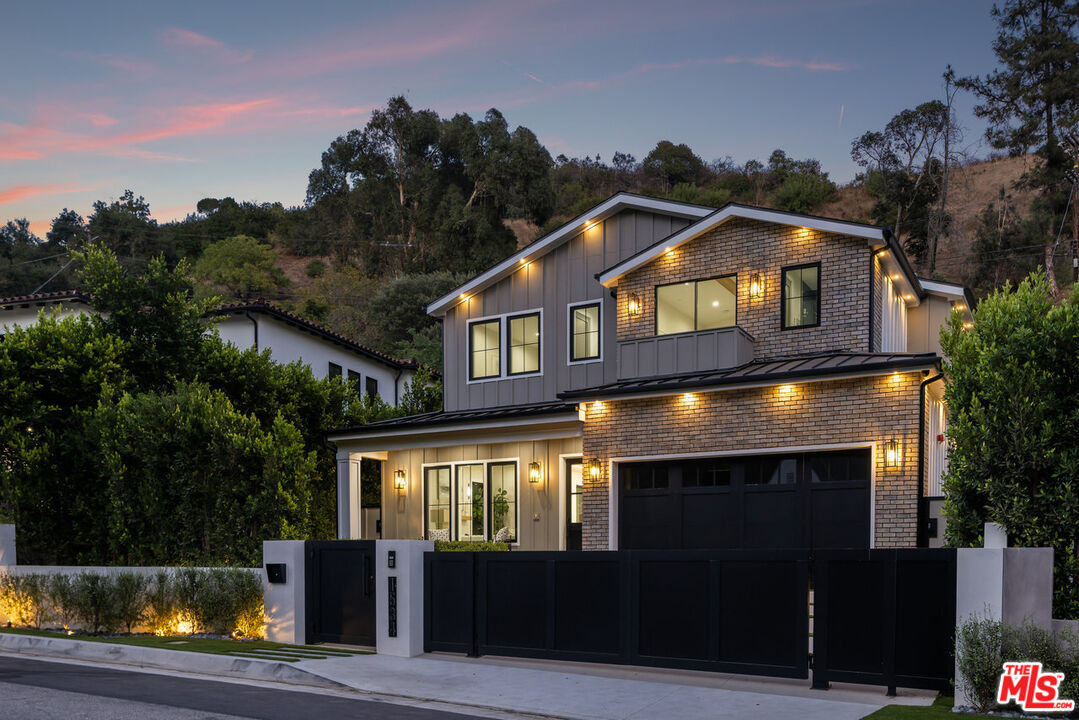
{"x":24,"y":600}
{"x":985,"y":645}
{"x":160,"y":609}
{"x":129,"y":593}
{"x":466,"y":546}
{"x":59,"y":593}
{"x":316,"y":268}
{"x":92,"y":602}
{"x":222,"y":601}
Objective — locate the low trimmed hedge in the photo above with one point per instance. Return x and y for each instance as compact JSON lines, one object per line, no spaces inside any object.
{"x":466,"y":546}
{"x":218,"y":601}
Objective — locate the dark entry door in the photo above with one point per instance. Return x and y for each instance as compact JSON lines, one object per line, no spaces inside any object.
{"x":794,"y":500}
{"x":340,"y":592}
{"x":574,"y":496}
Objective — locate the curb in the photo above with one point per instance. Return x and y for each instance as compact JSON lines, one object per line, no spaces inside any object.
{"x":159,"y":659}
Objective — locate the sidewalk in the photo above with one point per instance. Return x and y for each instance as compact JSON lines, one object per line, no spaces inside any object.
{"x":577,"y":691}
{"x":601,"y":692}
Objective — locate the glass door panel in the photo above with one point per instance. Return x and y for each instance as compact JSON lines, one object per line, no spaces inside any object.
{"x":470,"y":502}
{"x":575,"y":490}
{"x":437,"y":497}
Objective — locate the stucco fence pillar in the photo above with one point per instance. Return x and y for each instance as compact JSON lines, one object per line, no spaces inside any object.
{"x":996,"y":582}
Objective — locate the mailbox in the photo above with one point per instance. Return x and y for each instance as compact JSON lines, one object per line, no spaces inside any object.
{"x":275,"y":573}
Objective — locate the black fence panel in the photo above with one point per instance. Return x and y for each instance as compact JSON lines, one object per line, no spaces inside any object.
{"x":340,"y":591}
{"x":731,"y":611}
{"x":884,"y":617}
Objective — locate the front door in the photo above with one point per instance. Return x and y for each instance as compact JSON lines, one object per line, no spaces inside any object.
{"x":574,"y":503}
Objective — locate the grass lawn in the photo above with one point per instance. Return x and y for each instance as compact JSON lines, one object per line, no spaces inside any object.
{"x":939,"y":710}
{"x":259,"y":649}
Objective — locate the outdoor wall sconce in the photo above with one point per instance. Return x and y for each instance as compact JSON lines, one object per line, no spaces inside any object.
{"x":756,"y":286}
{"x":593,"y":469}
{"x":535,"y":472}
{"x":633,"y":304}
{"x":400,"y":484}
{"x":891,"y":454}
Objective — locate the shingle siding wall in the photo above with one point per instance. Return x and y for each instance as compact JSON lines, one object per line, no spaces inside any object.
{"x":746,"y":247}
{"x":863,"y":410}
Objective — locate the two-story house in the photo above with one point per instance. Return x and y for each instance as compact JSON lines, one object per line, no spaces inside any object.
{"x":661,"y":375}
{"x":257,"y":324}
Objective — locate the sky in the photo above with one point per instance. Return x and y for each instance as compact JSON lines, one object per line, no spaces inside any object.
{"x":181,"y":101}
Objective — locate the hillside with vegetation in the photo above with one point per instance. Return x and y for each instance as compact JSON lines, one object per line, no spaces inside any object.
{"x":404,"y":209}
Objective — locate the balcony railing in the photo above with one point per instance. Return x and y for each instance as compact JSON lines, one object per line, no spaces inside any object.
{"x":684,"y":353}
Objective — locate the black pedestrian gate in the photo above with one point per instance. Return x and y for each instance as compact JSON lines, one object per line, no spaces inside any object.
{"x":340,"y":591}
{"x":730,"y":611}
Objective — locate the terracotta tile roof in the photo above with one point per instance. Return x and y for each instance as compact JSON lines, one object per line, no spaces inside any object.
{"x":44,"y":298}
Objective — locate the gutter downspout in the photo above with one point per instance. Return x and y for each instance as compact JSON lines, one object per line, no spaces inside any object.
{"x":922,"y":540}
{"x":254,"y":322}
{"x":873,"y":290}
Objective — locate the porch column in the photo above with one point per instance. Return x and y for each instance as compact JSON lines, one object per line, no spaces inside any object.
{"x":349,"y":510}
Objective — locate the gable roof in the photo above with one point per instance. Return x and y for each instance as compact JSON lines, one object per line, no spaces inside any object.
{"x":877,"y":237}
{"x":15,"y":301}
{"x":267,"y":308}
{"x":611,"y":206}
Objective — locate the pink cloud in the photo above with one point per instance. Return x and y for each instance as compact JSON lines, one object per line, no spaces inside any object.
{"x":99,"y":120}
{"x":179,"y":37}
{"x":15,"y":193}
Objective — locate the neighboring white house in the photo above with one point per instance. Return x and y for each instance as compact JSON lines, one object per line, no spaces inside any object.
{"x":22,"y":310}
{"x":261,"y":324}
{"x":257,"y":324}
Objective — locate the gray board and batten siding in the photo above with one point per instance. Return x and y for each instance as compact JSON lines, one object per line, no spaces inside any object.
{"x":563,"y":276}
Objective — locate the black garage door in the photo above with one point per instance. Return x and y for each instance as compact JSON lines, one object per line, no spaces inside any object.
{"x":796,"y":500}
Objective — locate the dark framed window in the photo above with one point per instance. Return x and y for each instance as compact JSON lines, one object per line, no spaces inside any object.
{"x":801,"y":296}
{"x":584,"y":335}
{"x":371,"y":387}
{"x":334,"y":371}
{"x":524,"y":343}
{"x":354,"y":378}
{"x":697,"y":305}
{"x":437,"y":500}
{"x":484,"y":349}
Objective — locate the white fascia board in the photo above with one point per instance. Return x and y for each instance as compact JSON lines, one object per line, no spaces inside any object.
{"x":840,"y":227}
{"x":947,"y":289}
{"x":580,"y":223}
{"x":894,"y":270}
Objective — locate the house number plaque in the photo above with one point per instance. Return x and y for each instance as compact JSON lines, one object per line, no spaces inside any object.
{"x":391,"y":596}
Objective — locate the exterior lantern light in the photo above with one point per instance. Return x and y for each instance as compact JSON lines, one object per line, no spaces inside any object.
{"x":400,"y":484}
{"x":535,"y":472}
{"x":756,"y":286}
{"x":891,"y":454}
{"x":633,"y":304}
{"x":593,"y":469}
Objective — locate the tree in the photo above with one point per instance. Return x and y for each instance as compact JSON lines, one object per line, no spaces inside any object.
{"x":68,"y":230}
{"x":904,"y":171}
{"x":1014,"y":426}
{"x":1001,"y":252}
{"x":670,"y":164}
{"x":1031,"y":99}
{"x":124,"y":226}
{"x":242,"y":266}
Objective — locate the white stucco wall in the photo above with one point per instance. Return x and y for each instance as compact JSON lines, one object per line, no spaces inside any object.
{"x":27,"y":316}
{"x":288,"y":344}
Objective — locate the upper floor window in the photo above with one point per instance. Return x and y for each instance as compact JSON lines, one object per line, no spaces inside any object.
{"x":801,"y":296}
{"x":485,"y":349}
{"x":584,"y":332}
{"x":372,"y":387}
{"x":697,"y":305}
{"x":354,"y":378}
{"x":334,"y":370}
{"x":524,"y":336}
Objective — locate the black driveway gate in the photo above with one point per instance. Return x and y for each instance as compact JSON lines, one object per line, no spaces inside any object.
{"x":729,"y":611}
{"x":884,"y":617}
{"x":340,"y":591}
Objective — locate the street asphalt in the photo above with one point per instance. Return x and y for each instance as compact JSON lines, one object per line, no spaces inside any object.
{"x":37,"y":690}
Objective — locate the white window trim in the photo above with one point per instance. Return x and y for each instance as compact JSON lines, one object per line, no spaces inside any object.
{"x":612,"y":484}
{"x":503,"y":347}
{"x":452,"y":465}
{"x":569,"y":332}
